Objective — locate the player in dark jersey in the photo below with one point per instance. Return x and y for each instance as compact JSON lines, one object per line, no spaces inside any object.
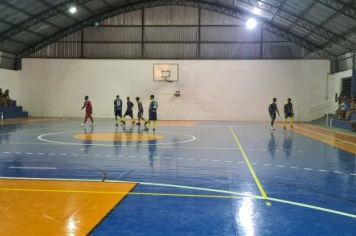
{"x":129,"y":110}
{"x":288,"y":113}
{"x":88,"y":110}
{"x":273,"y":110}
{"x":152,"y":116}
{"x":118,"y":110}
{"x":140,"y":112}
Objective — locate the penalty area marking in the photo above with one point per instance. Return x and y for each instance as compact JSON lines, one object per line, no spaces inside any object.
{"x":42,"y":138}
{"x":243,"y":195}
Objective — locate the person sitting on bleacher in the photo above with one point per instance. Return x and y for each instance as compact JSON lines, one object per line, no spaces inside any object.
{"x":6,"y":97}
{"x":341,"y":112}
{"x":2,"y":103}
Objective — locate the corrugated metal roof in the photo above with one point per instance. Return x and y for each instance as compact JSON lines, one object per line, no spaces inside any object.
{"x":327,"y":25}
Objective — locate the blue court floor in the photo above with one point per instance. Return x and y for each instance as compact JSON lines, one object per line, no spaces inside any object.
{"x":215,"y":178}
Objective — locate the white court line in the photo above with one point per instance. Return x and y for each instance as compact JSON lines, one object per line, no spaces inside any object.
{"x":33,"y":168}
{"x":190,"y":159}
{"x":245,"y":195}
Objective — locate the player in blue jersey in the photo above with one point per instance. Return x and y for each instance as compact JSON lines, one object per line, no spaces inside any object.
{"x":140,"y":111}
{"x":273,"y":110}
{"x":288,"y":113}
{"x":118,"y":110}
{"x":152,"y":116}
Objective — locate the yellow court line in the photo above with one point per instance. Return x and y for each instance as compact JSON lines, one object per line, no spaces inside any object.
{"x":253,"y":173}
{"x":124,"y":193}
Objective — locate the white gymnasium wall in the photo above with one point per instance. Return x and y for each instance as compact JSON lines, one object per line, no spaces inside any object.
{"x":10,"y":79}
{"x":210,"y":89}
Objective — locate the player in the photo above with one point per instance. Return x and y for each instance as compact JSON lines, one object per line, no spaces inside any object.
{"x":273,"y":109}
{"x":118,"y":110}
{"x":129,"y":110}
{"x":288,"y":113}
{"x":140,"y":112}
{"x":88,"y":110}
{"x":152,"y":117}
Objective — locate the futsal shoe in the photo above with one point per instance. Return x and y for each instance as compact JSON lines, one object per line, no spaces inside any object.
{"x":284,"y":127}
{"x":272,"y":128}
{"x":82,"y":124}
{"x":116,"y":124}
{"x":138,"y":124}
{"x":154,"y":130}
{"x":123,"y":122}
{"x":292,"y":126}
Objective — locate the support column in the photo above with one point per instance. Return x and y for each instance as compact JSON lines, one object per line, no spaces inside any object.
{"x":353,"y":79}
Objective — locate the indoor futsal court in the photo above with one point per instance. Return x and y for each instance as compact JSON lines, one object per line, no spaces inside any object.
{"x":177,"y":117}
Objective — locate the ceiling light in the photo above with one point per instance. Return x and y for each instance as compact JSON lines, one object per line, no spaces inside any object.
{"x":251,"y":23}
{"x":72,"y":9}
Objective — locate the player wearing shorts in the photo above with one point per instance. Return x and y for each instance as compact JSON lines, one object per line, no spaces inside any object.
{"x":129,"y":110}
{"x":118,"y":110}
{"x":288,"y":113}
{"x":152,"y":116}
{"x":273,"y":110}
{"x":88,"y":110}
{"x":140,"y":112}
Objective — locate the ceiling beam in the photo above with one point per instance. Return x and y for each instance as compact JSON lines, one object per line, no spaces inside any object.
{"x":303,"y":23}
{"x":343,"y":8}
{"x":27,"y":14}
{"x":40,"y":18}
{"x":229,"y":11}
{"x":332,"y":38}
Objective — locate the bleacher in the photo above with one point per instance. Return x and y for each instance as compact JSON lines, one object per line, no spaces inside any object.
{"x":13,"y":111}
{"x":344,"y":124}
